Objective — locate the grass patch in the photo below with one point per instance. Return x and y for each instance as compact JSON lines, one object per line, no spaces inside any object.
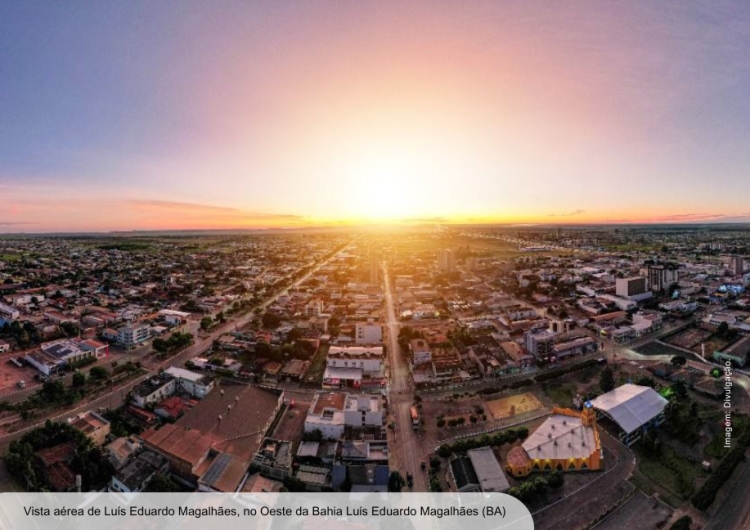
{"x":715,"y":448}
{"x":317,"y":366}
{"x":671,"y":471}
{"x":561,"y":393}
{"x":10,"y":258}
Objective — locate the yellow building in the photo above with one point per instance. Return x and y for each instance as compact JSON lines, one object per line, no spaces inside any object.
{"x":567,"y":441}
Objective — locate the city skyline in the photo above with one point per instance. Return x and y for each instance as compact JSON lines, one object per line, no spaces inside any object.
{"x":270,"y":115}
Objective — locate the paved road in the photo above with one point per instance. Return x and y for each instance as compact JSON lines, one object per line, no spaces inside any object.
{"x":405,"y":444}
{"x":734,"y":512}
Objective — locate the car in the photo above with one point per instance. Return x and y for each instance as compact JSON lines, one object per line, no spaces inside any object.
{"x":21,"y":384}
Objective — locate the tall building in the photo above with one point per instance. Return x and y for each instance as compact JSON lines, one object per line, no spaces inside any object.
{"x":660,"y":277}
{"x":627,"y":287}
{"x":737,"y":265}
{"x":446,"y":260}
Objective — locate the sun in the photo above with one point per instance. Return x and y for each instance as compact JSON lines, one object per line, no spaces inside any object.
{"x":389,"y":188}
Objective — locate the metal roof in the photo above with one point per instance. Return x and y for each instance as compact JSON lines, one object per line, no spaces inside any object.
{"x":631,"y":406}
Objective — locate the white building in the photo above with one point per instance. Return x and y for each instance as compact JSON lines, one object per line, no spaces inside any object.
{"x":332,"y":412}
{"x":132,"y":335}
{"x":8,"y":314}
{"x":197,"y":385}
{"x":368,"y":333}
{"x":54,"y":355}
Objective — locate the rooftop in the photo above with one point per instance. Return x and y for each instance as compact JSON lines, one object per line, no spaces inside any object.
{"x":631,"y":406}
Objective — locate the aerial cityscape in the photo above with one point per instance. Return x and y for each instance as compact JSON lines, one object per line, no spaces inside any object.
{"x":380,"y":247}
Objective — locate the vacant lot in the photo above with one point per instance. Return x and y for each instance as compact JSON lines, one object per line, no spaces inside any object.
{"x":513,"y":405}
{"x":670,"y":471}
{"x":639,"y":512}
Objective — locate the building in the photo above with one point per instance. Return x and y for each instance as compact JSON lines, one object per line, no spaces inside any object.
{"x":212,"y":445}
{"x":540,"y":343}
{"x":736,"y":353}
{"x":4,"y":346}
{"x":8,"y":314}
{"x":130,"y":336}
{"x":420,"y":352}
{"x":122,"y":450}
{"x":355,"y":367}
{"x":566,"y":441}
{"x":634,"y":409}
{"x":136,"y":475}
{"x":274,"y":459}
{"x":737,"y":265}
{"x":446,"y":261}
{"x":153,"y":390}
{"x":661,"y":277}
{"x":627,"y":287}
{"x":92,"y":425}
{"x":332,"y":412}
{"x":488,"y":470}
{"x":462,"y":476}
{"x":53,"y":356}
{"x":368,"y":333}
{"x":194,"y":384}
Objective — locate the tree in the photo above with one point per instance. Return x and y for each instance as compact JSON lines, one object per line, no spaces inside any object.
{"x":206,"y":323}
{"x":162,"y":483}
{"x":556,"y":479}
{"x":160,"y":345}
{"x":220,"y":317}
{"x":723,"y":329}
{"x":270,"y":320}
{"x":79,"y":380}
{"x":678,"y":360}
{"x":683,"y":523}
{"x":99,"y":373}
{"x":441,"y":423}
{"x":396,"y":482}
{"x":607,"y":380}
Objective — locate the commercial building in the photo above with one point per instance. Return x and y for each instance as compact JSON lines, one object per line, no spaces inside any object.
{"x":368,"y":333}
{"x":540,"y":343}
{"x":567,"y":441}
{"x":194,"y":384}
{"x":53,"y":356}
{"x":211,"y":446}
{"x":354,"y":367}
{"x":661,"y":277}
{"x":446,"y":260}
{"x":633,"y":408}
{"x":627,"y":287}
{"x":332,"y":412}
{"x":129,"y":336}
{"x":737,"y":265}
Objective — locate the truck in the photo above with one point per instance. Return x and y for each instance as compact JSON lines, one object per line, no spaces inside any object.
{"x":414,"y":418}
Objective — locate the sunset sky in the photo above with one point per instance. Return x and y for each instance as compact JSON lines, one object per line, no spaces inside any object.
{"x":167,"y":115}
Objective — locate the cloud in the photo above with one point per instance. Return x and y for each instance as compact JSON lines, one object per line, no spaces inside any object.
{"x":205,"y":211}
{"x":568,"y":214}
{"x":16,"y":223}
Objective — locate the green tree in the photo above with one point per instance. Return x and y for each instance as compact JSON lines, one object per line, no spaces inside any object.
{"x":396,"y":482}
{"x":607,"y":380}
{"x":206,"y":323}
{"x":99,"y":373}
{"x":79,"y":380}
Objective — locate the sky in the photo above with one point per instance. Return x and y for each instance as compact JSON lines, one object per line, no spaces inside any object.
{"x":185,"y":115}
